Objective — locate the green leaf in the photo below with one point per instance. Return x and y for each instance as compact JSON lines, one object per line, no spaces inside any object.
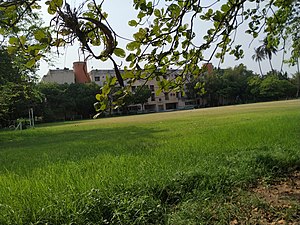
{"x":140,"y":35}
{"x":169,"y":38}
{"x":113,"y":81}
{"x":11,"y":49}
{"x":225,"y":8}
{"x":141,"y":15}
{"x":119,"y":52}
{"x":210,"y":12}
{"x":132,"y":23}
{"x":98,"y":97}
{"x":158,"y":92}
{"x":133,"y":46}
{"x":23,"y":39}
{"x":51,"y":10}
{"x":13,"y":40}
{"x":57,"y":3}
{"x":218,"y":17}
{"x":39,"y":35}
{"x":30,"y":63}
{"x":128,"y":75}
{"x":105,"y":90}
{"x":157,"y":13}
{"x":174,"y":9}
{"x":130,"y":57}
{"x":103,"y":107}
{"x":53,"y":5}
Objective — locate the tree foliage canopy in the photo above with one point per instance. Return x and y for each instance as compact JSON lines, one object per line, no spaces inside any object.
{"x":17,"y":91}
{"x":67,"y":101}
{"x":167,"y":33}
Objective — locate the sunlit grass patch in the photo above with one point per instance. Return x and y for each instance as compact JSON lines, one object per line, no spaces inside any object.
{"x":146,"y":169}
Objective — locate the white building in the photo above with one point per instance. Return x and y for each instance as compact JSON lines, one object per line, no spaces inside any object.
{"x":59,"y":76}
{"x":99,"y":76}
{"x":156,"y":103}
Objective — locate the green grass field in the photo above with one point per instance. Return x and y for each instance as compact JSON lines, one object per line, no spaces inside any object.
{"x":166,"y":168}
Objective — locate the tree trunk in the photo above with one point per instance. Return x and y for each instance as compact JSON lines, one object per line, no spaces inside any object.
{"x":261,"y":73}
{"x":271,"y":65}
{"x":282,"y":62}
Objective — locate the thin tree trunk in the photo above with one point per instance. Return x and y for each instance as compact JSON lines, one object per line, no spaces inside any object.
{"x":283,"y":54}
{"x":271,"y":65}
{"x":260,"y":68}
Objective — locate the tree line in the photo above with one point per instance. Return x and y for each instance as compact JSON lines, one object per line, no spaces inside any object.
{"x":240,"y":85}
{"x":19,"y":91}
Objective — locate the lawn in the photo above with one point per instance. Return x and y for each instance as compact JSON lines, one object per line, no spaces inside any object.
{"x":183,"y":167}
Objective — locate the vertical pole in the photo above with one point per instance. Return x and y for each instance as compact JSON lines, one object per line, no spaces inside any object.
{"x":32,"y":117}
{"x":29,"y":115}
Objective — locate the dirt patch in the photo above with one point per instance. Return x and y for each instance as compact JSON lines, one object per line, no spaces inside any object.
{"x":281,"y":193}
{"x":282,"y":201}
{"x":275,"y":202}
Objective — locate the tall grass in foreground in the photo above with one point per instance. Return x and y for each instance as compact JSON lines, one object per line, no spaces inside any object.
{"x":147,"y":169}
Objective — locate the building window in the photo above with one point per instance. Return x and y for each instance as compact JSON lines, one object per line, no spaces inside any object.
{"x":133,"y":88}
{"x":97,"y":78}
{"x":160,"y":108}
{"x":166,"y":96}
{"x":152,"y":87}
{"x":152,"y":96}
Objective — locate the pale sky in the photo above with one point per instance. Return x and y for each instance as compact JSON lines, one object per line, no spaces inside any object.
{"x":119,"y":13}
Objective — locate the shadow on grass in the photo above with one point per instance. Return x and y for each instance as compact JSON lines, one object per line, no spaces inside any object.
{"x":278,"y":166}
{"x":30,"y":150}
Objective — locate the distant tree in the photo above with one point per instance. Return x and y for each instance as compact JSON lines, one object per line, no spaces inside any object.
{"x":254,"y":83}
{"x":82,"y":98}
{"x":296,"y":81}
{"x":272,"y":88}
{"x":258,"y":56}
{"x":17,"y":90}
{"x":16,"y":99}
{"x":64,"y":101}
{"x":288,"y":89}
{"x":265,"y":51}
{"x":8,"y":72}
{"x":141,"y":95}
{"x":278,"y":74}
{"x":235,"y":84}
{"x":195,"y":88}
{"x":5,"y":97}
{"x":213,"y":85}
{"x":56,"y":105}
